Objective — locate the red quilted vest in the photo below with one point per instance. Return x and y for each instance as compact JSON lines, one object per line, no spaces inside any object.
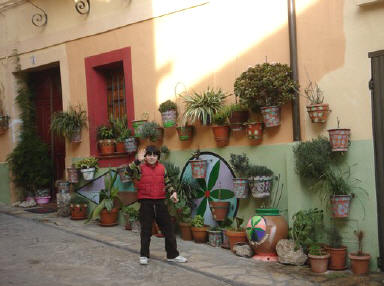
{"x":151,"y":185}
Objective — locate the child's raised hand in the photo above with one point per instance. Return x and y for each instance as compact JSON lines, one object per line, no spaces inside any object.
{"x":140,"y":154}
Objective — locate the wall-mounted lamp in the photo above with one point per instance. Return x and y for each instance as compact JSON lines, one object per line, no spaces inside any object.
{"x":39,"y":19}
{"x":82,"y":7}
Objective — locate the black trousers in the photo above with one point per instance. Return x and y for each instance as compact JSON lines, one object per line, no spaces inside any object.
{"x":156,"y":209}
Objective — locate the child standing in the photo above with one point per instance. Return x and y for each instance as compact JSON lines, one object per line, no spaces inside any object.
{"x":152,"y":182}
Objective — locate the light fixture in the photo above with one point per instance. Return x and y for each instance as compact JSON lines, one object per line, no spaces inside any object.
{"x":82,"y":7}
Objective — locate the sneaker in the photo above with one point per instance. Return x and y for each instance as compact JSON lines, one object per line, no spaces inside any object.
{"x":143,"y":260}
{"x":179,"y":259}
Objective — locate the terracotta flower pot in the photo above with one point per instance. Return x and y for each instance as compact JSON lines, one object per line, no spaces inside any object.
{"x":254,"y":131}
{"x":120,"y":147}
{"x":235,"y":237}
{"x":219,"y":210}
{"x":237,"y":119}
{"x":109,"y":218}
{"x":185,"y":229}
{"x":318,"y":112}
{"x":319,"y":263}
{"x":271,"y":115}
{"x":78,"y":211}
{"x":338,"y":257}
{"x":221,"y":134}
{"x":107,"y":146}
{"x":199,"y":234}
{"x":359,"y":263}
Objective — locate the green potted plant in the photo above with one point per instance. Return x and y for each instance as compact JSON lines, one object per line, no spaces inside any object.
{"x":220,"y":127}
{"x":131,"y":215}
{"x":106,"y":139}
{"x":268,"y":87}
{"x":318,"y":110}
{"x":340,"y":138}
{"x":137,"y":123}
{"x":185,"y":132}
{"x":69,"y":123}
{"x":318,"y":257}
{"x":236,"y":233}
{"x":79,"y":207}
{"x":88,"y":167}
{"x":240,"y":164}
{"x":199,"y":230}
{"x":260,"y":179}
{"x":121,"y":133}
{"x":151,"y":131}
{"x":238,"y":114}
{"x":359,"y":259}
{"x":183,"y":212}
{"x":202,"y":106}
{"x":168,"y":110}
{"x":337,"y":251}
{"x":106,"y":209}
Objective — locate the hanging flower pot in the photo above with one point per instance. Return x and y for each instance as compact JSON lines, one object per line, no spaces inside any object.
{"x":219,"y":210}
{"x":107,"y":146}
{"x":4,"y":123}
{"x":136,"y":124}
{"x":169,"y":118}
{"x":199,"y":168}
{"x":271,"y":115}
{"x":340,"y":205}
{"x":260,"y":186}
{"x":339,"y":139}
{"x":73,"y":174}
{"x":237,"y":118}
{"x":255,"y":130}
{"x":76,"y":136}
{"x":221,"y":134}
{"x":88,"y":174}
{"x":240,"y":188}
{"x":130,"y":144}
{"x":318,"y":112}
{"x":124,"y":178}
{"x":185,"y":132}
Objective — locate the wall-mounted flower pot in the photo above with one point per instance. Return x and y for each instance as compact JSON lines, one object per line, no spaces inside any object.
{"x":78,"y":211}
{"x":219,"y":210}
{"x":318,"y":112}
{"x":136,"y":124}
{"x":260,"y":186}
{"x":339,"y":139}
{"x":254,"y":130}
{"x":130,"y":144}
{"x":76,"y":136}
{"x":4,"y":123}
{"x":221,"y":134}
{"x":169,"y":118}
{"x":88,"y":174}
{"x":199,"y":168}
{"x":319,"y":263}
{"x":360,"y":263}
{"x":185,"y":133}
{"x":237,"y":119}
{"x":271,"y":115}
{"x":73,"y":175}
{"x":340,"y":206}
{"x":124,"y":178}
{"x":107,"y":146}
{"x":240,"y":188}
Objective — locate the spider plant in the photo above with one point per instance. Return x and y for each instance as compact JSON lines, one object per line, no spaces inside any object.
{"x":66,"y":123}
{"x":202,"y":106}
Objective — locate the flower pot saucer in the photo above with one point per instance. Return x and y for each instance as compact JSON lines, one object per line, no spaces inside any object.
{"x":78,"y":218}
{"x":108,"y":224}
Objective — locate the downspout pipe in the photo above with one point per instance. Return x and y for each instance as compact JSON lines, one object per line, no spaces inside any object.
{"x":294,"y":67}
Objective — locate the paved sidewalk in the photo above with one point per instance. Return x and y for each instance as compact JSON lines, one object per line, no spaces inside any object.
{"x":216,"y":263}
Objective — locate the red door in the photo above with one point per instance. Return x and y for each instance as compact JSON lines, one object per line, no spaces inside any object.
{"x":47,"y":87}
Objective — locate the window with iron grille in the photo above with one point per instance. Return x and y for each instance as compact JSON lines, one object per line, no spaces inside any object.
{"x":116,"y":94}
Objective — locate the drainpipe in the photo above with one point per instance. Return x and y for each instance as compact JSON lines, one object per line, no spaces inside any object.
{"x":293,"y":63}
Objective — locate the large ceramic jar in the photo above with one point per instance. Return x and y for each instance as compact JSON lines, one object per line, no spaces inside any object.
{"x":277,"y":228}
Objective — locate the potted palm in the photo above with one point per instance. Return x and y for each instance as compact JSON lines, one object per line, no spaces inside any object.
{"x":318,"y":110}
{"x":268,"y":87}
{"x":199,"y":230}
{"x":260,"y":179}
{"x":79,"y":207}
{"x":359,"y":260}
{"x":202,"y":106}
{"x":318,"y":257}
{"x":168,"y":110}
{"x":220,"y":128}
{"x":88,"y":167}
{"x":69,"y":123}
{"x":240,"y":164}
{"x":106,"y":139}
{"x":106,"y":209}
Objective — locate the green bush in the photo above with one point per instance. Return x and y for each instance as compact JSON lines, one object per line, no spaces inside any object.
{"x":105,"y":132}
{"x":197,"y":221}
{"x":255,"y":170}
{"x":167,"y":105}
{"x":240,"y":164}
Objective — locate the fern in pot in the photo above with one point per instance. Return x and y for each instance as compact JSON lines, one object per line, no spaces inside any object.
{"x":69,"y":123}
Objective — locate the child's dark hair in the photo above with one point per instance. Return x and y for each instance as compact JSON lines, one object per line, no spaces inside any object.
{"x":152,"y":149}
